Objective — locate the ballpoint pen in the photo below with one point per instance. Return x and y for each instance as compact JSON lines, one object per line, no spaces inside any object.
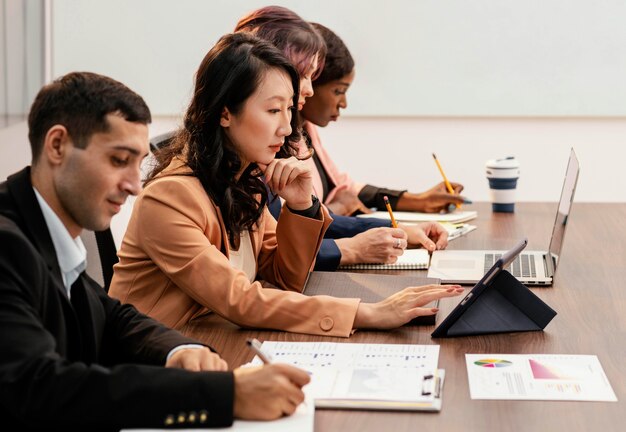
{"x":255,"y":346}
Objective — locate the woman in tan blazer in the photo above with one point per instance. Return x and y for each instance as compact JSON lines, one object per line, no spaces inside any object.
{"x":200,"y":234}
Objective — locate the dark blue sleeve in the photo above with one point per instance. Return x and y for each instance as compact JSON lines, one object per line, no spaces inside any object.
{"x":328,"y":257}
{"x":273,"y":204}
{"x":349,"y":226}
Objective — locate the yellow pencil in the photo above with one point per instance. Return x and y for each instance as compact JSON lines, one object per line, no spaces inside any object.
{"x":393,"y":219}
{"x":445,"y":179}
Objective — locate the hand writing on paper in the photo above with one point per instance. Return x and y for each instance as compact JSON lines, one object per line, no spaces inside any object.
{"x":268,"y":392}
{"x":377,"y":245}
{"x":429,"y":235}
{"x":437,"y":198}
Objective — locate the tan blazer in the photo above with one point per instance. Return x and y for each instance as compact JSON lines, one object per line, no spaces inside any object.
{"x":174,"y":264}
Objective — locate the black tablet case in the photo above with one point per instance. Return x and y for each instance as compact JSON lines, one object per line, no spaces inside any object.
{"x":505,"y":306}
{"x":369,"y":287}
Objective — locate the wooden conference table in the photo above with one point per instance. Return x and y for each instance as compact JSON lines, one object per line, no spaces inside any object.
{"x":589,"y":295}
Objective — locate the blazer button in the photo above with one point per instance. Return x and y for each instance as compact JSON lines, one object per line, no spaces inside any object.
{"x":204,"y":416}
{"x":192,"y":417}
{"x":181,"y":418}
{"x":327,"y":323}
{"x":169,"y":420}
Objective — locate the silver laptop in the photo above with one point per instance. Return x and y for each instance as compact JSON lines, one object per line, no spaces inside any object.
{"x":530,"y":267}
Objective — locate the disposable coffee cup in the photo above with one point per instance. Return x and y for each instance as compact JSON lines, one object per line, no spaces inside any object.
{"x":502,"y":175}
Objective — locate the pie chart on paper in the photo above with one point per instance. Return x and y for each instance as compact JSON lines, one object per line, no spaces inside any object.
{"x":493,"y":363}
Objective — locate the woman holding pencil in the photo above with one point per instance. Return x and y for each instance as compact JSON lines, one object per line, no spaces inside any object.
{"x":200,"y":238}
{"x":335,"y":188}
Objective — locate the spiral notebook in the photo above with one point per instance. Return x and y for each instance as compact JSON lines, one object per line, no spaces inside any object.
{"x":411,"y":259}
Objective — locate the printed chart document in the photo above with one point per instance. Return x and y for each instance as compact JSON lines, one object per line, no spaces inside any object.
{"x":365,"y":376}
{"x":538,"y":377}
{"x":456,"y":216}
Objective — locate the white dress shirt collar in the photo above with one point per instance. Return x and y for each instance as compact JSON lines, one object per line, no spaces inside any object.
{"x":71,"y":253}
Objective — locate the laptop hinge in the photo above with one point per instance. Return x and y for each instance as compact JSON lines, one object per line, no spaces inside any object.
{"x":548,"y":267}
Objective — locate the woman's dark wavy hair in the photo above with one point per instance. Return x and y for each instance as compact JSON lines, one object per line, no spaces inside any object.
{"x":228,"y":75}
{"x":295,"y":37}
{"x":338,"y":62}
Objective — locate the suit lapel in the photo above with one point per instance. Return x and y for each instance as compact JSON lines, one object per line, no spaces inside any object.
{"x":90,"y":316}
{"x":34,"y":225}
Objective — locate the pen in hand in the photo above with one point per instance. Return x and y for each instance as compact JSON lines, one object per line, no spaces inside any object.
{"x":255,"y":346}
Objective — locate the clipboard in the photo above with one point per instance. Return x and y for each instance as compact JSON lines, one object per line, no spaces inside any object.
{"x":431,"y":400}
{"x":498,"y":303}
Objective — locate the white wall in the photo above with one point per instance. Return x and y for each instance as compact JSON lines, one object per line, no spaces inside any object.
{"x":414,"y":57}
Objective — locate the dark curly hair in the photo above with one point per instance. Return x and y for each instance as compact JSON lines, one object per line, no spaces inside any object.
{"x":228,"y":75}
{"x":338,"y":62}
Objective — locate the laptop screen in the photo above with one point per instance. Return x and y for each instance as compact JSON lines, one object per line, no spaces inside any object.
{"x":564,"y":208}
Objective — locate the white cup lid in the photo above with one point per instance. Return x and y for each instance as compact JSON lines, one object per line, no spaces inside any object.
{"x":503,"y":163}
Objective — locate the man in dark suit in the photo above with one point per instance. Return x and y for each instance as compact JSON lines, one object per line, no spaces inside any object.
{"x":71,"y":357}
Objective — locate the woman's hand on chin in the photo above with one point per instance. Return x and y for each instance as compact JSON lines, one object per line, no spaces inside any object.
{"x":291,"y":179}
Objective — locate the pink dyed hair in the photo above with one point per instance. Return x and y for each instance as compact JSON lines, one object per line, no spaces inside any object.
{"x":296,"y":38}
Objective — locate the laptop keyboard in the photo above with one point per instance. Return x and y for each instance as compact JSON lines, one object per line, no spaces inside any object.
{"x":522,"y":266}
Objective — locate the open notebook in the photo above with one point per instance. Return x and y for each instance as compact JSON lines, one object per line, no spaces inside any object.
{"x":411,"y":259}
{"x":365,"y":376}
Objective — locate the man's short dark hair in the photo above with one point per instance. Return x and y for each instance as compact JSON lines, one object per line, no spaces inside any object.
{"x":80,"y":101}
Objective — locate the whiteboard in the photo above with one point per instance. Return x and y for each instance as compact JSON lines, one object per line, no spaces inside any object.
{"x":492,"y":58}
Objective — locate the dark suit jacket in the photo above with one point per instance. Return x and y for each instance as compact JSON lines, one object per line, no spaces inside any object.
{"x":89,"y":363}
{"x":329,"y":255}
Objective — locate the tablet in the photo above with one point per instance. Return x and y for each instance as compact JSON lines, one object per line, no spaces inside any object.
{"x":498,"y":303}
